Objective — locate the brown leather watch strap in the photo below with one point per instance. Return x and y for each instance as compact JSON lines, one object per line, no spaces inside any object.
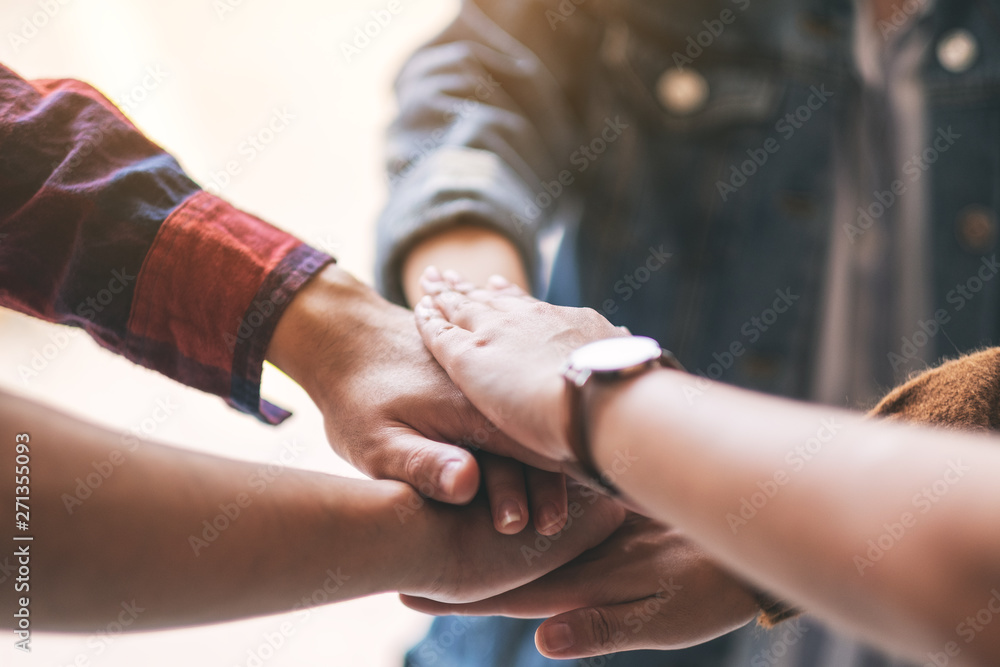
{"x":585,"y":468}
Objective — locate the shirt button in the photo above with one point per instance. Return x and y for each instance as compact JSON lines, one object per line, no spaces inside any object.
{"x":682,"y":91}
{"x":976,"y":229}
{"x":957,"y":51}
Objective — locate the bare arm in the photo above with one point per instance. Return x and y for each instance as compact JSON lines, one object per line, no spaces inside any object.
{"x":189,"y":538}
{"x":475,"y":252}
{"x":885,"y":529}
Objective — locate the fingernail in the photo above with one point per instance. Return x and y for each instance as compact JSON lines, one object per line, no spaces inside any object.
{"x":557,"y":637}
{"x":510,"y":512}
{"x":452,"y":277}
{"x":449,"y":477}
{"x":432,"y":273}
{"x":549,"y":518}
{"x":499,"y":282}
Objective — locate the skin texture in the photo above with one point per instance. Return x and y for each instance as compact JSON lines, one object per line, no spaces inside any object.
{"x":392,"y":412}
{"x":656,"y":589}
{"x":477,"y":253}
{"x":298,"y":539}
{"x":833,"y":484}
{"x":474,"y":252}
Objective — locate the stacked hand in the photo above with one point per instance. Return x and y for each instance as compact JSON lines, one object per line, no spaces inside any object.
{"x":392,"y":412}
{"x":646,"y":586}
{"x":505,"y":350}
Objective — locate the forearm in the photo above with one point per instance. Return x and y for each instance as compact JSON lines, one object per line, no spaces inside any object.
{"x":188,"y":538}
{"x":477,"y":253}
{"x":790,"y":495}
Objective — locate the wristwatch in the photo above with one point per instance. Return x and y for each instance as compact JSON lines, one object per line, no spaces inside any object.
{"x":604,"y":361}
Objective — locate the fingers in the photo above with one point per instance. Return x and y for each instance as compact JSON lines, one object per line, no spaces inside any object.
{"x":500,"y":285}
{"x":485,"y":563}
{"x":458,"y":308}
{"x":674,"y":617}
{"x":588,"y":632}
{"x":463,"y":304}
{"x":437,"y":470}
{"x":549,"y":503}
{"x":444,"y":340}
{"x":505,"y":486}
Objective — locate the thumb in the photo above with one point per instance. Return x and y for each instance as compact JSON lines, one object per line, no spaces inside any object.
{"x":587,"y":632}
{"x":641,"y":624}
{"x":436,"y":470}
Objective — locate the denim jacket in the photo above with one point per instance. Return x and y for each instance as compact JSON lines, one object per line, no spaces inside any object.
{"x":685,"y":151}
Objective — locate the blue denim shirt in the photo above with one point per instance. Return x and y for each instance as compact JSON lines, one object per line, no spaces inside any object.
{"x":526,"y":114}
{"x":686,"y":151}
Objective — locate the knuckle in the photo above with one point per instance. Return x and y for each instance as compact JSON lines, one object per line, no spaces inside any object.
{"x":443,"y":330}
{"x":601,"y":628}
{"x":416,"y":471}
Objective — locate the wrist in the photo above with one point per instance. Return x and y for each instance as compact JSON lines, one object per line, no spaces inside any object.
{"x":356,"y":526}
{"x":610,"y":413}
{"x":474,"y":251}
{"x":328,"y":328}
{"x":419,"y":554}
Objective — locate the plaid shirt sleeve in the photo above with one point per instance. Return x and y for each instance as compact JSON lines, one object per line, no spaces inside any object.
{"x":101,"y":229}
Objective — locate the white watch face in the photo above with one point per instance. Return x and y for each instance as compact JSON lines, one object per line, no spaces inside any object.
{"x":615,"y":354}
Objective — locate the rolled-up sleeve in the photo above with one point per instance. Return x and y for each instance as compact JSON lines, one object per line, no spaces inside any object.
{"x":489,"y":113}
{"x":101,"y":229}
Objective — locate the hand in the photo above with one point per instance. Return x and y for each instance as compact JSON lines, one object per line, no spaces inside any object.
{"x":646,"y":587}
{"x":391,"y":411}
{"x":505,"y":351}
{"x":458,"y":558}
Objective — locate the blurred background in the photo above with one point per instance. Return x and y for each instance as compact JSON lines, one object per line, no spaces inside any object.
{"x":200,"y":77}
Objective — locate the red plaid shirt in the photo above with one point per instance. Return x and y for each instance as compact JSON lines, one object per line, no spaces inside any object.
{"x":101,"y":229}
